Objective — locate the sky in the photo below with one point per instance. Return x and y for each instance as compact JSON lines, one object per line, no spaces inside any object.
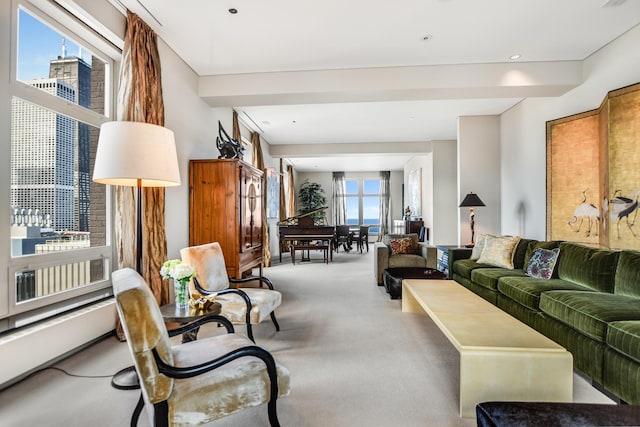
{"x":37,"y":45}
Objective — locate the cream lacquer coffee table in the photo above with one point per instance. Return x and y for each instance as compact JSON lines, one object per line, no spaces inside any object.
{"x":501,"y":358}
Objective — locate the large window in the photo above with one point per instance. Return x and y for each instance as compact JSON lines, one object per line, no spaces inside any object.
{"x":58,"y":218}
{"x":363,"y":203}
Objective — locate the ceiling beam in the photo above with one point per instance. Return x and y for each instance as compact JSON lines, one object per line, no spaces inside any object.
{"x":498,"y":80}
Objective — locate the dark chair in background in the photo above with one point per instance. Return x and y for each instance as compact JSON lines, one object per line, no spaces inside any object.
{"x":344,"y":236}
{"x":362,"y":238}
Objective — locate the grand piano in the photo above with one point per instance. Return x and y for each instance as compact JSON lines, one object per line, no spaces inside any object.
{"x":302,"y":229}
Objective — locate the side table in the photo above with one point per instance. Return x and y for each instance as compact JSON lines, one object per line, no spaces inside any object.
{"x":172,"y":313}
{"x":442,"y":263}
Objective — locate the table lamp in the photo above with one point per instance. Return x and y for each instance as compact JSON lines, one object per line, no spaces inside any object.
{"x":470,"y":201}
{"x":135,"y":154}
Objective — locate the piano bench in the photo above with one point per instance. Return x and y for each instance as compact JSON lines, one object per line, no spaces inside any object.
{"x":310,"y":247}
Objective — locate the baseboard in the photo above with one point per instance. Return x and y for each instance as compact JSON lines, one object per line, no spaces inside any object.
{"x":33,"y":347}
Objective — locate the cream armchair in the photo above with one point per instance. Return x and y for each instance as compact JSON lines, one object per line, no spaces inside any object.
{"x":422,"y":255}
{"x":197,"y":382}
{"x":240,"y":305}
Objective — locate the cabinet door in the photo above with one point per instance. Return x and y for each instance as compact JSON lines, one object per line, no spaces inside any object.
{"x":250,"y":209}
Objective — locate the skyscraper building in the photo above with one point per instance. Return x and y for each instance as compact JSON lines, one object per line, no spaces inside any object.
{"x":50,"y":154}
{"x":44,"y":182}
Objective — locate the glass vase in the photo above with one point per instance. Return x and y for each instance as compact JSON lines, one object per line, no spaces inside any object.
{"x":181,"y":294}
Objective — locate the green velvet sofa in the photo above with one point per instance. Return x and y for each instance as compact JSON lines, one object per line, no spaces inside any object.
{"x":590,"y":306}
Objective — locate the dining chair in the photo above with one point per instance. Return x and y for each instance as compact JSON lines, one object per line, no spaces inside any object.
{"x":344,"y":237}
{"x":363,"y":237}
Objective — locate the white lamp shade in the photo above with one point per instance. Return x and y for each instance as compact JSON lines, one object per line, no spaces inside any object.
{"x":132,"y":153}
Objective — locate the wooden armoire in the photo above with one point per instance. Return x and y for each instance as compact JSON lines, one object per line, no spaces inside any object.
{"x":226,"y":206}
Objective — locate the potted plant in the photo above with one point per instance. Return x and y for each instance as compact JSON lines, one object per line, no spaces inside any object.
{"x":311,"y":197}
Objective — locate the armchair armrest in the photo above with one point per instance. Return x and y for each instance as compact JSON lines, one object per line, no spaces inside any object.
{"x":262,"y":280}
{"x":197,"y":323}
{"x":380,"y":260}
{"x":456,"y":254}
{"x":428,"y":252}
{"x":250,"y":351}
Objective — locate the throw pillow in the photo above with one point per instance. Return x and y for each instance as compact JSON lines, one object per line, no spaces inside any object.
{"x":542,"y":263}
{"x":498,"y":251}
{"x":477,"y":249}
{"x":402,"y":246}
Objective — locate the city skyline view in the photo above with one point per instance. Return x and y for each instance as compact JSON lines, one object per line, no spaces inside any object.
{"x":38,"y":45}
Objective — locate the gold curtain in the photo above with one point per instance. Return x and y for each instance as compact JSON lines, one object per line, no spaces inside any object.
{"x":258,"y":162}
{"x":282,"y":201}
{"x":292,"y":192}
{"x":235,"y":131}
{"x":283,"y":206}
{"x":140,"y":100}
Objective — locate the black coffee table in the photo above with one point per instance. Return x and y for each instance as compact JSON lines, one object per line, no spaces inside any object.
{"x":392,"y":277}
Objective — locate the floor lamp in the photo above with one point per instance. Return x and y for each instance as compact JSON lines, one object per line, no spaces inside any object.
{"x":471,"y":201}
{"x":135,"y":154}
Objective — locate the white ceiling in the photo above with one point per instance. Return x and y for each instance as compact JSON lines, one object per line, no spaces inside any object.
{"x":295,"y":35}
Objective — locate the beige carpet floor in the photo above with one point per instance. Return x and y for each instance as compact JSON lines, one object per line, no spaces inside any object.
{"x":355,"y":360}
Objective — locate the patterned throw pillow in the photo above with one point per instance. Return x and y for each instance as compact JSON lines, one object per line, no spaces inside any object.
{"x":498,"y":251}
{"x":542,"y":263}
{"x":402,"y":246}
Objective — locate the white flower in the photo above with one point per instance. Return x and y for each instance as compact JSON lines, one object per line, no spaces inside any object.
{"x":182,"y":271}
{"x":177,"y":270}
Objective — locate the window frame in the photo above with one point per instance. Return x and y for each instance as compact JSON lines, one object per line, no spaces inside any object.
{"x":360,"y":197}
{"x":66,"y":23}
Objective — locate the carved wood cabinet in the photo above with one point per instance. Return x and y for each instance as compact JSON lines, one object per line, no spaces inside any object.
{"x":226,"y":206}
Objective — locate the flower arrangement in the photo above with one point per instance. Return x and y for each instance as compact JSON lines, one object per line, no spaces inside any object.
{"x":181,"y":273}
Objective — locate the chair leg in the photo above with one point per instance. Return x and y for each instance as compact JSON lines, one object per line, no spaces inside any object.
{"x":273,"y":413}
{"x":137,"y":411}
{"x":250,"y":332}
{"x":275,"y":322}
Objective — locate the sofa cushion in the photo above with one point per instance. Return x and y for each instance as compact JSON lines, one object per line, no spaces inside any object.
{"x":627,"y":280}
{"x":589,"y":312}
{"x":587,"y":266}
{"x":488,"y":277}
{"x":520,"y":252}
{"x":624,"y":336}
{"x":407,"y":260}
{"x":542,"y":263}
{"x":478,"y":247}
{"x":387,"y":238}
{"x":498,"y":251}
{"x":402,"y":246}
{"x":526,"y":290}
{"x":464,"y":267}
{"x":535,"y":244}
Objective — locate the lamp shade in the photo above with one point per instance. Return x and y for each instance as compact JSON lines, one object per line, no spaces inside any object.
{"x":471,"y":200}
{"x":136,"y":153}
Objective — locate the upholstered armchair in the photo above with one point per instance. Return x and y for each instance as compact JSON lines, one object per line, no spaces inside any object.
{"x":197,"y":382}
{"x":241,"y":305}
{"x":402,"y":250}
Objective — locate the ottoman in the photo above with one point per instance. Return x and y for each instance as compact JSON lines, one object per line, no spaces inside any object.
{"x":392,"y":278}
{"x":533,"y":414}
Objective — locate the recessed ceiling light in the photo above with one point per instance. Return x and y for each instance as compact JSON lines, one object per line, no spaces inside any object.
{"x":233,"y":11}
{"x":514,"y":57}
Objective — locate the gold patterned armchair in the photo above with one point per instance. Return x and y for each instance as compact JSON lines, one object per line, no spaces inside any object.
{"x":244,"y":306}
{"x":197,"y":382}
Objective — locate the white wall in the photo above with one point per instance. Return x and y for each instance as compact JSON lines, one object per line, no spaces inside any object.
{"x":195,"y":125}
{"x":479,"y":172}
{"x":444,"y":230}
{"x":523,"y":134}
